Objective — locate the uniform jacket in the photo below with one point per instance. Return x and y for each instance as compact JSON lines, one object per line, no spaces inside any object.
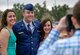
{"x":27,"y":43}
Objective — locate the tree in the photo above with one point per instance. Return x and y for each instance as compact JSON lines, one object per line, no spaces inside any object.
{"x":1,"y":14}
{"x":18,"y":9}
{"x":59,"y":11}
{"x":40,"y":10}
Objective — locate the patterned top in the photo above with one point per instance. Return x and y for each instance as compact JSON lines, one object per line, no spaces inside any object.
{"x":52,"y":37}
{"x":69,"y":46}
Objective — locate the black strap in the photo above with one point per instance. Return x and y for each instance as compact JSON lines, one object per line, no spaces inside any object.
{"x":77,"y":29}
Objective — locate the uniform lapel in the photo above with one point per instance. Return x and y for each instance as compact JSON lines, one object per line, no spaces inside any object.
{"x":23,"y":27}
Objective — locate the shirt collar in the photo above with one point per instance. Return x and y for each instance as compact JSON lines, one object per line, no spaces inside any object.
{"x":27,"y":23}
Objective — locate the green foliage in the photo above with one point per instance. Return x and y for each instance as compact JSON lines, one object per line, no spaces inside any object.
{"x":18,"y":9}
{"x":1,"y":14}
{"x":57,"y":11}
{"x":41,"y":10}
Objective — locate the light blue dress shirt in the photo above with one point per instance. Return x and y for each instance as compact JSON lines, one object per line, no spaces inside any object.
{"x":49,"y":41}
{"x":68,"y":46}
{"x":31,"y":25}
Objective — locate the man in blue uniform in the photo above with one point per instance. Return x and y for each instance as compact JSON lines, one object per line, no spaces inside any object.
{"x":27,"y":32}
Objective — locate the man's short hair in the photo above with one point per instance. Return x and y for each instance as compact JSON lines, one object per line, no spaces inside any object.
{"x":76,"y":11}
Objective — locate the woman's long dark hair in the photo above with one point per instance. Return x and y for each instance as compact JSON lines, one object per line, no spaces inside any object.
{"x":4,"y":18}
{"x":43,"y":22}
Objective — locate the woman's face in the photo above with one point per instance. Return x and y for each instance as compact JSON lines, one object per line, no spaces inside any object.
{"x":47,"y":27}
{"x":11,"y":18}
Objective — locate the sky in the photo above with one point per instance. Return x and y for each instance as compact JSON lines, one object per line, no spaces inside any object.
{"x":4,"y":4}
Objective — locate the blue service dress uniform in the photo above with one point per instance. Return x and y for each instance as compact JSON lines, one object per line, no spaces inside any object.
{"x":27,"y":43}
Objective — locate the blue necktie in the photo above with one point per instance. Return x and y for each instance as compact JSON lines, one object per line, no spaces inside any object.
{"x":29,"y":29}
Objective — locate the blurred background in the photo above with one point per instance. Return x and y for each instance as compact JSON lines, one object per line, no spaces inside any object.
{"x":53,"y":8}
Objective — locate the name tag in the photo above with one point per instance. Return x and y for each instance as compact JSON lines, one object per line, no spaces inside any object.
{"x":20,"y":32}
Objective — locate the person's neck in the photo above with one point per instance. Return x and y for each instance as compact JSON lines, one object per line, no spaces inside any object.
{"x":45,"y":36}
{"x":77,"y":26}
{"x":9,"y":27}
{"x":27,"y":21}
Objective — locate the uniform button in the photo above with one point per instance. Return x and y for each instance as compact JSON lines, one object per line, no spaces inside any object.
{"x":31,"y":42}
{"x":32,"y":48}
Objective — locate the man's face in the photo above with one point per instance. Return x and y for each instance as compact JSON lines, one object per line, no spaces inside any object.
{"x":28,"y":15}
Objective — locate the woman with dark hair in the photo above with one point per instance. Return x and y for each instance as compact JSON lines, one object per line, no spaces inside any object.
{"x":46,"y":25}
{"x":8,"y":38}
